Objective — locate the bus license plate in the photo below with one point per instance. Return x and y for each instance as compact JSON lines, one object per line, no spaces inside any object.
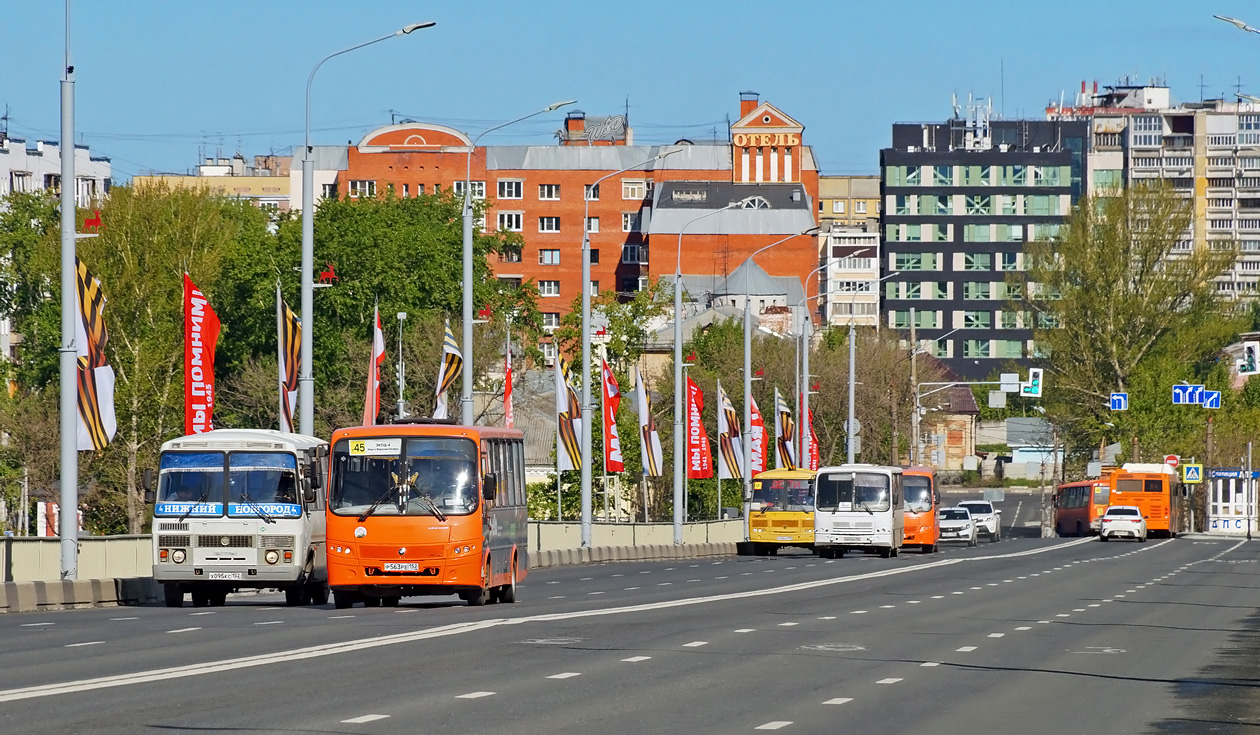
{"x":223,"y":575}
{"x":784,"y":538}
{"x":402,"y":566}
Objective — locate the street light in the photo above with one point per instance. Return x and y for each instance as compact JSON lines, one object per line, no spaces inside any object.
{"x":917,"y":457}
{"x":802,"y":383}
{"x":747,"y":469}
{"x":1240,"y":25}
{"x":306,"y":381}
{"x":679,"y":450}
{"x":466,"y":375}
{"x":587,"y":409}
{"x":851,"y":424}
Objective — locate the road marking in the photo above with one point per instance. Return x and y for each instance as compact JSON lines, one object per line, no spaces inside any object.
{"x":886,"y":607}
{"x":721,"y":577}
{"x":663,"y":584}
{"x":339,"y":617}
{"x":977,"y":588}
{"x":1024,"y":577}
{"x":199,"y":613}
{"x":938,"y":597}
{"x":35,"y":625}
{"x":1119,"y":595}
{"x":1094,"y":604}
{"x":270,"y":622}
{"x":619,"y":575}
{"x":839,"y":700}
{"x":1024,"y":627}
{"x":993,"y":584}
{"x":1064,"y":615}
{"x":475,"y":695}
{"x":827,"y":617}
{"x":586,"y":579}
{"x":744,"y":630}
{"x":632,"y":588}
{"x":966,"y":649}
{"x":791,"y":567}
{"x":929,"y":664}
{"x":776,"y":725}
{"x":636,"y":659}
{"x":1008,"y":580}
{"x":86,"y":643}
{"x":270,"y":608}
{"x":556,"y":597}
{"x":767,"y":571}
{"x":693,"y":580}
{"x":553,"y":582}
{"x":364,"y":718}
{"x":1130,"y":590}
{"x":858,"y":612}
{"x":912,"y":602}
{"x":996,"y":635}
{"x":695,"y":644}
{"x":669,"y":569}
{"x":400,"y":612}
{"x":646,"y":572}
{"x":787,"y":625}
{"x":329,"y":649}
{"x":565,"y":675}
{"x":124,"y":618}
{"x":1043,"y":622}
{"x":594,"y":593}
{"x":1078,"y":609}
{"x":958,"y":593}
{"x":183,"y":630}
{"x":889,"y":680}
{"x":744,"y":574}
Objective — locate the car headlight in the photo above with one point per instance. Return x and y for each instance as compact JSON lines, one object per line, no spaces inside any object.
{"x":178,"y":556}
{"x":272,"y":556}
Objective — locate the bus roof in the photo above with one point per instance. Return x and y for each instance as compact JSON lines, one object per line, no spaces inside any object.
{"x":918,"y":469}
{"x":245,"y":439}
{"x":860,"y":467}
{"x":797,"y":474}
{"x":1158,"y":468}
{"x":426,"y":429}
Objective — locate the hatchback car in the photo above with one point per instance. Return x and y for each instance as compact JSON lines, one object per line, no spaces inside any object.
{"x":958,"y":525}
{"x":1122,"y":521}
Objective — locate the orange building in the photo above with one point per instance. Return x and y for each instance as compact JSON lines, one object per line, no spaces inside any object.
{"x":634,"y":217}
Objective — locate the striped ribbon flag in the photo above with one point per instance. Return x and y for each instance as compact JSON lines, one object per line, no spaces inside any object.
{"x":568,"y":420}
{"x":784,"y":434}
{"x":649,"y":437}
{"x":289,"y":340}
{"x":97,"y":423}
{"x":729,"y":439}
{"x":372,"y":401}
{"x":452,"y":364}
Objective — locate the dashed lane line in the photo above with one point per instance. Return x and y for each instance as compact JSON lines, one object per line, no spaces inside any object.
{"x":183,"y":630}
{"x":636,"y":659}
{"x":889,"y":680}
{"x":965,"y":649}
{"x":839,"y":700}
{"x":475,"y":695}
{"x":564,"y":675}
{"x":85,"y":643}
{"x":695,"y":644}
{"x":776,"y":725}
{"x":363,"y":718}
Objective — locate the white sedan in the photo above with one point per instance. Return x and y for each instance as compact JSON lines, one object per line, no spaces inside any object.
{"x":1122,"y":521}
{"x":958,"y":525}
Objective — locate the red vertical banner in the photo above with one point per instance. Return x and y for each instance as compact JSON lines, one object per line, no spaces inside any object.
{"x":372,"y":397}
{"x":613,"y":461}
{"x":813,"y":443}
{"x":699,"y":458}
{"x":759,"y":438}
{"x":509,"y":414}
{"x":201,"y":334}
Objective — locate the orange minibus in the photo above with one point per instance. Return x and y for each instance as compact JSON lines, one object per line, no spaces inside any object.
{"x":426,"y":507}
{"x":1155,"y":489}
{"x":923,"y":500}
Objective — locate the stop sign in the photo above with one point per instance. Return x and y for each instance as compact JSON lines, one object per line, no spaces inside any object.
{"x":1171,"y":460}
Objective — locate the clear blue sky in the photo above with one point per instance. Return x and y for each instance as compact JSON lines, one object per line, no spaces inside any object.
{"x":158,"y":79}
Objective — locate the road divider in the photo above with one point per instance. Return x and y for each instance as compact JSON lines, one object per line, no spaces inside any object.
{"x":78,"y":593}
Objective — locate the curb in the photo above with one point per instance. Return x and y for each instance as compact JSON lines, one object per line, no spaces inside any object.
{"x":600,"y":554}
{"x":78,"y":593}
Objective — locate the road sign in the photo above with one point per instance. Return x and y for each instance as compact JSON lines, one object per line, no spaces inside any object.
{"x":1010,"y":382}
{"x":854,"y":428}
{"x":1196,"y":395}
{"x":1172,"y":460}
{"x":1211,"y":399}
{"x":1119,"y":401}
{"x":1180,"y":395}
{"x":1192,"y":474}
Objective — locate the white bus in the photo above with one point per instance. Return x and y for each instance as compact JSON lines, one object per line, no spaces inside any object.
{"x":860,"y":507}
{"x":240,"y":508}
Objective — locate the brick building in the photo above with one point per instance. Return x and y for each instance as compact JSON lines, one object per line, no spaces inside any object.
{"x":543,"y":192}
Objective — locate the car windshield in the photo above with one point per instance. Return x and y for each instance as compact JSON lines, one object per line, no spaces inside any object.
{"x":1122,"y":512}
{"x":978,"y":508}
{"x":190,"y":483}
{"x":263,"y":484}
{"x":918,"y":490}
{"x":853,"y":491}
{"x":404,"y":476}
{"x":781,"y":494}
{"x":954,"y":514}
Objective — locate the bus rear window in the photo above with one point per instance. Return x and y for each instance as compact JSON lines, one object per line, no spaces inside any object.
{"x":1154,"y":486}
{"x":1128,"y":486}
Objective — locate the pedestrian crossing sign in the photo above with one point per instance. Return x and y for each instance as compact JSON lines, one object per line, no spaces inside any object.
{"x":1192,"y":474}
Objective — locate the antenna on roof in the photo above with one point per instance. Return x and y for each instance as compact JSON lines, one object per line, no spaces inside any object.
{"x":4,"y":121}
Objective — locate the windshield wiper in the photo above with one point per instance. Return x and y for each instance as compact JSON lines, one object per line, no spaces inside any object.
{"x":376,"y":504}
{"x":867,"y":508}
{"x":257,"y":509}
{"x":204,"y":494}
{"x":432,"y":507}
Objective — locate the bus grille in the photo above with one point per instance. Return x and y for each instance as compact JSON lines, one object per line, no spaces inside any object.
{"x":173,"y":541}
{"x":852,"y":524}
{"x":416,"y":551}
{"x":173,"y":527}
{"x":225,"y":542}
{"x":275,"y":542}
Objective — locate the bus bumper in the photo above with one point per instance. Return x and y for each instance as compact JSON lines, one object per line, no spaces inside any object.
{"x":234,"y":575}
{"x":437,"y":576}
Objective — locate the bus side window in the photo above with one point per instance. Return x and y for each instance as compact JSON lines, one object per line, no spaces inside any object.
{"x":501,"y":448}
{"x":514,"y":491}
{"x":518,"y":471}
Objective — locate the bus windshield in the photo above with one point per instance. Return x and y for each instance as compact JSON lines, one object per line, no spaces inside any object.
{"x":781,"y":494}
{"x":404,"y":476}
{"x":861,"y":491}
{"x":190,"y":483}
{"x":918,"y":491}
{"x":262,"y":484}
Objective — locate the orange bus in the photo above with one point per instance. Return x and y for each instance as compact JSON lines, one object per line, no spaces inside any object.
{"x":426,"y":508}
{"x":923,"y":500}
{"x":1079,"y":506}
{"x":1155,"y":489}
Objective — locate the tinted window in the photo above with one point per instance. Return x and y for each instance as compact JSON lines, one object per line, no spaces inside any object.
{"x":978,"y":507}
{"x":1128,"y":486}
{"x":1102,"y":493}
{"x":954,"y":514}
{"x":1154,"y":486}
{"x":1122,"y":512}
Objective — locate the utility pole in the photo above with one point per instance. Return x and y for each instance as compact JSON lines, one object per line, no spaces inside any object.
{"x":1136,"y":456}
{"x":914,"y":389}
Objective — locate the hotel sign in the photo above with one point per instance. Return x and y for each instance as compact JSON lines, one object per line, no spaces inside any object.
{"x":753,"y":140}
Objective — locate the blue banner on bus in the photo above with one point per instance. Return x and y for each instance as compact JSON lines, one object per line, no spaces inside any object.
{"x":194,"y":510}
{"x":275,"y":510}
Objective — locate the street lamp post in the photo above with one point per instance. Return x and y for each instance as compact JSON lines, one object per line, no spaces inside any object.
{"x":802,"y":364}
{"x":746,"y":471}
{"x":68,"y":361}
{"x":466,"y":375}
{"x":306,"y":381}
{"x":587,"y":409}
{"x":851,"y":424}
{"x":679,"y":440}
{"x":402,"y":369}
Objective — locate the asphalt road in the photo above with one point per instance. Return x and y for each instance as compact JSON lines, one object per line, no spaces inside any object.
{"x":1026,"y":635}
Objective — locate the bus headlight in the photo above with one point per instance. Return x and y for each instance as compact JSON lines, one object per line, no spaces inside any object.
{"x":272,"y":556}
{"x":178,"y":556}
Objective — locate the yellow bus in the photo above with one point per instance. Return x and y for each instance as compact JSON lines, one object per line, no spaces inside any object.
{"x":782,"y":511}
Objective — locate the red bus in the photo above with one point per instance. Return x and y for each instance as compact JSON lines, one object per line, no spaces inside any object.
{"x":1078,"y":506}
{"x":426,"y":508}
{"x":1155,"y":489}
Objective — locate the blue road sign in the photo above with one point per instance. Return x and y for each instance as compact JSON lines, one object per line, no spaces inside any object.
{"x":1192,"y":473}
{"x":1119,"y":401}
{"x":1211,"y":399}
{"x":1196,"y":395}
{"x":1180,"y":395}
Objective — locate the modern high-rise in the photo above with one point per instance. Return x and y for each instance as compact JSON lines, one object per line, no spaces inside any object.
{"x":960,"y":199}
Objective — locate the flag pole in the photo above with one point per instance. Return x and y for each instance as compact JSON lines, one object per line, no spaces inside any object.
{"x":68,"y":382}
{"x":280,"y":355}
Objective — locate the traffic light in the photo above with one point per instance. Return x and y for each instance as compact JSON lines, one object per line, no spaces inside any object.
{"x":1248,"y":364}
{"x":1032,"y":389}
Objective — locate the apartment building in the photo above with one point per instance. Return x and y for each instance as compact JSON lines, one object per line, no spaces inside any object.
{"x":960,"y":199}
{"x":849,"y":287}
{"x":849,"y":201}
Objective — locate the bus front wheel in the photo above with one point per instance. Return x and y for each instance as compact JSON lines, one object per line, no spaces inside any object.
{"x":172,"y":594}
{"x":481,"y":596}
{"x":344,"y":600}
{"x":507,"y":593}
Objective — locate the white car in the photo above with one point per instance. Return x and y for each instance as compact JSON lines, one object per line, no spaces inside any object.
{"x":987,"y":518}
{"x":1122,"y":521}
{"x":957,"y":525}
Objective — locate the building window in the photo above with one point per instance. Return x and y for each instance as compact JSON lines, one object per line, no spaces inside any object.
{"x":1011,"y":176}
{"x":977,"y":261}
{"x":976,"y":290}
{"x":942,"y":176}
{"x":633,"y":189}
{"x":975,"y":175}
{"x":510,"y":221}
{"x":853,"y":264}
{"x":632,"y":254}
{"x":1148,"y":130}
{"x":1008,"y":320}
{"x":478,"y":189}
{"x":902,"y":176}
{"x":549,"y":353}
{"x":362,"y":188}
{"x":901,"y":204}
{"x":1042,"y":205}
{"x":594,"y":288}
{"x":1050,"y":175}
{"x":591,"y":192}
{"x":631,"y":221}
{"x":510,"y":281}
{"x":551,"y":319}
{"x":859,"y":207}
{"x":329,"y":191}
{"x":979,"y":204}
{"x":975,"y":348}
{"x":594,"y":256}
{"x":592,"y":224}
{"x":914,"y":290}
{"x":837,"y":207}
{"x":976,"y":233}
{"x":548,"y":288}
{"x":930,"y":204}
{"x":914,"y":261}
{"x":548,"y":257}
{"x":940,"y":348}
{"x":510,"y":255}
{"x":1008,"y":261}
{"x":549,"y":192}
{"x":852,"y":287}
{"x":511,"y":189}
{"x":548,"y":224}
{"x":1045,"y":232}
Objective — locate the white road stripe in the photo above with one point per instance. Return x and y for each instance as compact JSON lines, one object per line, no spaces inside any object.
{"x":1024,"y":627}
{"x":839,"y":700}
{"x":362,"y":719}
{"x":966,"y":649}
{"x":996,"y":635}
{"x":786,"y":625}
{"x":929,"y":664}
{"x":124,"y":618}
{"x":35,"y":625}
{"x":183,"y":630}
{"x":695,"y":644}
{"x":889,"y":680}
{"x":827,"y":617}
{"x":858,"y":612}
{"x":745,"y":630}
{"x":270,"y":622}
{"x":636,"y":659}
{"x":565,"y":675}
{"x":627,"y":589}
{"x":776,"y":725}
{"x":475,"y":695}
{"x":87,"y":643}
{"x":339,"y":617}
{"x":200,"y":613}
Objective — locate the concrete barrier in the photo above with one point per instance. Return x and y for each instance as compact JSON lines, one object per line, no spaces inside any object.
{"x":599,"y":554}
{"x":78,"y":593}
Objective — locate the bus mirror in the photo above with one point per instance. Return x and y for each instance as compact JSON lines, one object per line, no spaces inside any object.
{"x":316,"y":479}
{"x":489,"y":486}
{"x":308,"y":493}
{"x":146,"y":482}
{"x":148,"y":497}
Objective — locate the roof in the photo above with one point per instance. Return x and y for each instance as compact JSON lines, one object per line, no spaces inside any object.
{"x":962,"y":400}
{"x":1027,"y":432}
{"x":750,"y":278}
{"x":326,"y":158}
{"x":243,"y":436}
{"x":608,"y":158}
{"x":698,"y":206}
{"x":691,"y":324}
